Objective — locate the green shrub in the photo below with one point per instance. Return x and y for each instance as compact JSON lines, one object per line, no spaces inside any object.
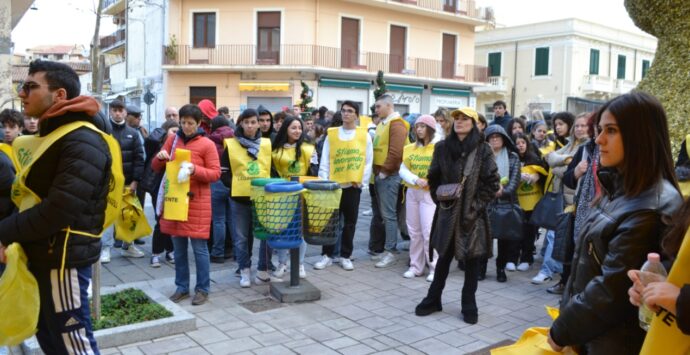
{"x":128,"y":307}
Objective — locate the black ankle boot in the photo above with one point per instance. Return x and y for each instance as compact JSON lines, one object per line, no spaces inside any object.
{"x":427,"y":307}
{"x":501,"y":275}
{"x":470,"y":318}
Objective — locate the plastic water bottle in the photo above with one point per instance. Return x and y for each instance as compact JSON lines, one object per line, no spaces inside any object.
{"x":652,"y":271}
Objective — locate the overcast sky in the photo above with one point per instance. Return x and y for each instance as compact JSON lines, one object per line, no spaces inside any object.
{"x":72,"y":21}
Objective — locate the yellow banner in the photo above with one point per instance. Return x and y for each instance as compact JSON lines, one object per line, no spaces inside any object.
{"x":175,"y":194}
{"x":663,"y":336}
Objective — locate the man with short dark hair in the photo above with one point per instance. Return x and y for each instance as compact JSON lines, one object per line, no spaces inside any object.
{"x":225,"y":111}
{"x":12,"y":122}
{"x":30,"y":125}
{"x":71,"y":180}
{"x":501,"y":115}
{"x":265,"y":122}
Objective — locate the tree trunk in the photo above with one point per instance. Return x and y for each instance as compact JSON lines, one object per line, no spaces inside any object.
{"x":96,"y":58}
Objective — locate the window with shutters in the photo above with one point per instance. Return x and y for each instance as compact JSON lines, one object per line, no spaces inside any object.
{"x":645,"y":67}
{"x":541,"y":61}
{"x":268,"y":41}
{"x":594,"y":61}
{"x":204,"y":30}
{"x":198,"y":93}
{"x":495,"y":64}
{"x":621,"y":67}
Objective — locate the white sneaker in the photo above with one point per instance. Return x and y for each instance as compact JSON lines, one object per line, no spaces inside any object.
{"x":409,"y":274}
{"x":280,"y":270}
{"x":302,"y":272}
{"x":375,"y":256}
{"x":387,"y":260}
{"x":346,"y":263}
{"x":430,"y":277}
{"x":323,"y":263}
{"x":540,"y":278}
{"x":245,"y":278}
{"x":105,"y":255}
{"x":133,"y":252}
{"x":523,"y":267}
{"x":263,"y":277}
{"x":155,"y":261}
{"x":368,"y":212}
{"x":510,"y":267}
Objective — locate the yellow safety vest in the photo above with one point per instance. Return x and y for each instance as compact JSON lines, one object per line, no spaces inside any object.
{"x":28,"y":149}
{"x":7,"y":149}
{"x":283,"y":160}
{"x":382,"y":139}
{"x":685,"y":185}
{"x":529,"y":194}
{"x":347,"y":158}
{"x":418,"y":159}
{"x":664,"y":336}
{"x":244,"y":168}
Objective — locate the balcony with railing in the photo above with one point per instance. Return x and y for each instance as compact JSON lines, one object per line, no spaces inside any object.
{"x":112,"y":7}
{"x":461,"y":9}
{"x":597,"y":84}
{"x":496,"y":85}
{"x":624,"y":86}
{"x":321,"y":57}
{"x":113,"y":40}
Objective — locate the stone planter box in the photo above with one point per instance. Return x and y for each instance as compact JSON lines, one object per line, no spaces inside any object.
{"x":180,"y":322}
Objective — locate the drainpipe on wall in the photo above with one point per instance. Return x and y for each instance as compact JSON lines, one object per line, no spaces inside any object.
{"x":610,"y":59}
{"x":635,"y":66}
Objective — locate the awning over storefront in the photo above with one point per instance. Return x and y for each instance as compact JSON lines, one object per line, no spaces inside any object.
{"x":342,"y":83}
{"x":274,"y":86}
{"x":450,"y":92}
{"x":417,"y":89}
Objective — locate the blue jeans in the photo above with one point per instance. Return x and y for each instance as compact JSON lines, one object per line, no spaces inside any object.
{"x":201,"y":258}
{"x":550,"y":266}
{"x":222,"y":217}
{"x":242,"y":232}
{"x":387,"y":195}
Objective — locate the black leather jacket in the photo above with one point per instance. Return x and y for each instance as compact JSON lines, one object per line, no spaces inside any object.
{"x":595,"y":311}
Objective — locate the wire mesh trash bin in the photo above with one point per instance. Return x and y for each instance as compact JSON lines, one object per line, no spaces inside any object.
{"x":321,"y":211}
{"x":257,"y":196}
{"x":282,"y":217}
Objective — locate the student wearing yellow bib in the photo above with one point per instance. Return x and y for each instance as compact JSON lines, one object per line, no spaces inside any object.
{"x":346,"y":158}
{"x":8,"y":168}
{"x":540,"y":138}
{"x":533,"y":171}
{"x":291,"y":156}
{"x":391,"y":138}
{"x":246,"y":157}
{"x":71,"y":179}
{"x":419,"y":205}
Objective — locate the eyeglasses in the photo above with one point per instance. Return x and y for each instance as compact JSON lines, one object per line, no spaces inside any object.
{"x":347,"y":110}
{"x":28,"y":86}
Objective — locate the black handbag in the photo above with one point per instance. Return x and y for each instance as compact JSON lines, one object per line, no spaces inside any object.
{"x":506,"y":221}
{"x":563,"y":242}
{"x":546,"y":211}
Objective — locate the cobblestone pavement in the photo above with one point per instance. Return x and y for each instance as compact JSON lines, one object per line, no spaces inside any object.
{"x":364,"y":311}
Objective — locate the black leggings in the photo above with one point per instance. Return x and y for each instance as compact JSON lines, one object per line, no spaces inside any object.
{"x":469,"y":288}
{"x":349,"y":209}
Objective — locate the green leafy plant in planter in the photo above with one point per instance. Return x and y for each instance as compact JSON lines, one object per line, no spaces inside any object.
{"x":171,"y":50}
{"x":126,"y":307}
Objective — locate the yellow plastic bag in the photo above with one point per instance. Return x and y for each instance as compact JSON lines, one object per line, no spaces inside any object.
{"x":534,"y":341}
{"x":19,"y":300}
{"x":131,"y":223}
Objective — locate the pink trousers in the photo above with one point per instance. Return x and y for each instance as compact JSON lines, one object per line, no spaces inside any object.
{"x":420,"y":210}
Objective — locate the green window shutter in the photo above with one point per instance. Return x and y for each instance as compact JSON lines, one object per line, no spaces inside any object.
{"x":541,"y":63}
{"x":621,"y":67}
{"x":494,"y":64}
{"x":594,"y":61}
{"x":645,"y":67}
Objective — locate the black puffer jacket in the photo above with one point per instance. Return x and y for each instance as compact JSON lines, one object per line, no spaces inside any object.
{"x":132,"y":152}
{"x":7,"y":174}
{"x":616,"y":237}
{"x":152,"y":144}
{"x":71,"y":178}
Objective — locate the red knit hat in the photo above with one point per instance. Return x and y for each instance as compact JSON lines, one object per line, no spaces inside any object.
{"x":208,"y":109}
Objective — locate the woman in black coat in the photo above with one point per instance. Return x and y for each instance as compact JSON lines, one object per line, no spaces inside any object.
{"x":461,"y":229}
{"x":639,"y":192}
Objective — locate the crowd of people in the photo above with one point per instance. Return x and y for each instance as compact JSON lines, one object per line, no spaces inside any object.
{"x":450,"y":182}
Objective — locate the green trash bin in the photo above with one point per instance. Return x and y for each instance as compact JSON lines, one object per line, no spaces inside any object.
{"x":259,"y":206}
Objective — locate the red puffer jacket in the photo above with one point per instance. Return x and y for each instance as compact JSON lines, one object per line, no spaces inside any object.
{"x":206,"y":171}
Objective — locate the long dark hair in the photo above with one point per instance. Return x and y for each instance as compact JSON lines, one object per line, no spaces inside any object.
{"x":646,"y":144}
{"x":455,"y":147}
{"x":567,"y":118}
{"x":282,"y":137}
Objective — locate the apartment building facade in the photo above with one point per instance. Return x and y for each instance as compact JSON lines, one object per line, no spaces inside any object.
{"x":568,"y":64}
{"x":247,"y":53}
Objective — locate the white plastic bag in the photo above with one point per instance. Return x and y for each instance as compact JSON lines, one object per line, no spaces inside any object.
{"x":185,"y":172}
